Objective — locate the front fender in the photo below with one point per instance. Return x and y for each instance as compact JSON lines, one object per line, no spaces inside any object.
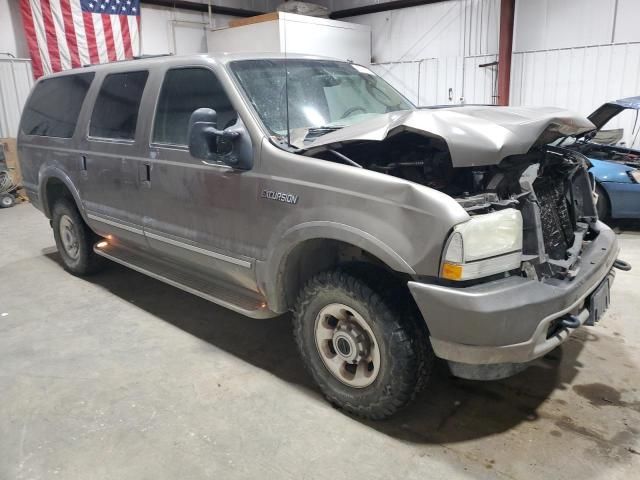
{"x":609,"y":171}
{"x":273,"y":268}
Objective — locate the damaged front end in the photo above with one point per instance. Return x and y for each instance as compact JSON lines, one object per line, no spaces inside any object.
{"x":544,"y":192}
{"x":551,"y":189}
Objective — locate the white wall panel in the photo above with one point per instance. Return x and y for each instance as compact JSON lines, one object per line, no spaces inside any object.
{"x":16,"y":80}
{"x":480,"y":83}
{"x":627,"y":26}
{"x":12,"y":39}
{"x":580,"y":79}
{"x":170,"y":30}
{"x":431,"y":52}
{"x":405,"y":77}
{"x":549,"y":24}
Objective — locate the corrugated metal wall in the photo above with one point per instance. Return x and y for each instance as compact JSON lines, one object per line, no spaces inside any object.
{"x":432,"y":53}
{"x":16,"y":80}
{"x":577,"y":54}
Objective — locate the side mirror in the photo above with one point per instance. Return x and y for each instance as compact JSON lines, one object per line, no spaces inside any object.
{"x":232,"y":146}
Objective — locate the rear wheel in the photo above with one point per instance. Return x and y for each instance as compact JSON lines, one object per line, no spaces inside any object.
{"x":74,"y":239}
{"x":602,"y":206}
{"x":363,"y":353}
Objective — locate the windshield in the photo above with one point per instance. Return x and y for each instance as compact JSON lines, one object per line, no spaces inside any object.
{"x":323,"y":95}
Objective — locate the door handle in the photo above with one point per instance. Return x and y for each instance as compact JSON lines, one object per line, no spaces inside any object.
{"x":144,"y":171}
{"x":83,"y":165}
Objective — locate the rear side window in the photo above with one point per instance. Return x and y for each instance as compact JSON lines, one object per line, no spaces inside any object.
{"x":184,"y":90}
{"x":54,"y":106}
{"x":115,"y":113}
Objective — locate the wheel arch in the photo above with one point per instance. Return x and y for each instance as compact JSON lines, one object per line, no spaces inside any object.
{"x":315,"y":246}
{"x":55,"y":184}
{"x":607,"y":195}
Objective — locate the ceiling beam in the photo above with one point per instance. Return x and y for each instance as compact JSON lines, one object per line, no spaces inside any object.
{"x":379,"y":7}
{"x":202,"y":7}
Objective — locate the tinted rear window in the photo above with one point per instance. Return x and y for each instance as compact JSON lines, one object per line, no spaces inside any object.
{"x":54,"y":106}
{"x":116,"y":110}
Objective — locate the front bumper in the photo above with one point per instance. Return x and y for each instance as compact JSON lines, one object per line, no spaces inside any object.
{"x":508,"y":320}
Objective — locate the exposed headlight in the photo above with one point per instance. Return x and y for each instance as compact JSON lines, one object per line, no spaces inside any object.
{"x":635,"y":175}
{"x":484,"y":245}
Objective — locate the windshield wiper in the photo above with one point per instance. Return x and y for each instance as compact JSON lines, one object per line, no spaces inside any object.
{"x":315,"y":132}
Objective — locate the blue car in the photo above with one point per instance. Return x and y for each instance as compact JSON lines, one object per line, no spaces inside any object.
{"x":618,"y":189}
{"x":616,"y":169}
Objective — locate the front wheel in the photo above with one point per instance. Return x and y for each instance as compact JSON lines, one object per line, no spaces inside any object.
{"x":366,"y":357}
{"x":74,"y":239}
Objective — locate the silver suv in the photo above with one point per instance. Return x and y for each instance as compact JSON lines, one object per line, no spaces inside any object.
{"x":268,"y":184}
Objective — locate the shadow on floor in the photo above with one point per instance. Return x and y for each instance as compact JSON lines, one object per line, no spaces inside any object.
{"x":450,"y":410}
{"x":624,"y":225}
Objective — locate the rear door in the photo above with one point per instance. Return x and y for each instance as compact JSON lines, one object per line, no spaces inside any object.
{"x":51,"y":120}
{"x":112,"y":173}
{"x":196,"y":212}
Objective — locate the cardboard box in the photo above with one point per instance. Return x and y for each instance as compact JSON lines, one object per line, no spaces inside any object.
{"x":10,"y":151}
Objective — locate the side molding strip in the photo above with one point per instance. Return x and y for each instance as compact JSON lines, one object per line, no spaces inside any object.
{"x":193,"y":248}
{"x":115,"y":224}
{"x":161,"y":238}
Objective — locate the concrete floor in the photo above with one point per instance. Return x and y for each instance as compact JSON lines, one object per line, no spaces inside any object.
{"x":122,"y":377}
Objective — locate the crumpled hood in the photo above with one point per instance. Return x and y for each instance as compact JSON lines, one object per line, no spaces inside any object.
{"x":475,"y":135}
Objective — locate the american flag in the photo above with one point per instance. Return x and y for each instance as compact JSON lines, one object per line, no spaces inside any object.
{"x":64,"y":34}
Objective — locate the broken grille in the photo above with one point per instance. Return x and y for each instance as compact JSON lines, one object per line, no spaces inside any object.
{"x":557,"y":226}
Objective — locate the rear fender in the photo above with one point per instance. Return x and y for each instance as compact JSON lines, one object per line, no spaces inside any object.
{"x":46,"y":173}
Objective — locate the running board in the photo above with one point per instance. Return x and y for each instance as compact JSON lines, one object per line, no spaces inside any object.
{"x":242,"y":301}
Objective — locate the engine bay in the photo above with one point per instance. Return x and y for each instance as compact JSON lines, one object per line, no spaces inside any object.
{"x":550,"y":186}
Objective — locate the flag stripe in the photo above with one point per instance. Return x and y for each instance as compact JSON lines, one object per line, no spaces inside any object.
{"x":81,"y":36}
{"x":126,"y":39}
{"x":70,"y":33}
{"x":52,"y":40}
{"x":41,"y":36}
{"x":99,"y":33}
{"x":134,"y":33}
{"x":90,"y":34}
{"x":58,"y":28}
{"x":32,"y":41}
{"x":108,"y":35}
{"x":117,"y":36}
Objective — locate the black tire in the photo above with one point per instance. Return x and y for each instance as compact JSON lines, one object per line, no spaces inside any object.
{"x":86,"y":261}
{"x":7,"y":200}
{"x":603,"y":206}
{"x":406,"y":357}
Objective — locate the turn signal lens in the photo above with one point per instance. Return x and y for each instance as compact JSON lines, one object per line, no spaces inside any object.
{"x":451,"y":271}
{"x":483,"y":246}
{"x":102,"y":244}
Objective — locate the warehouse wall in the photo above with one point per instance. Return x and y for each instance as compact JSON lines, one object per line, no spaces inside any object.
{"x":577,"y":54}
{"x":12,"y":38}
{"x":432,"y":53}
{"x":168,"y":30}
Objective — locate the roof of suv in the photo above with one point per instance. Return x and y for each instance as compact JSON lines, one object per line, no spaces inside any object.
{"x":221,"y":57}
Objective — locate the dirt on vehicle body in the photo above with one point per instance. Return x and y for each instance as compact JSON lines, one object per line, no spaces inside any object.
{"x":269,"y":184}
